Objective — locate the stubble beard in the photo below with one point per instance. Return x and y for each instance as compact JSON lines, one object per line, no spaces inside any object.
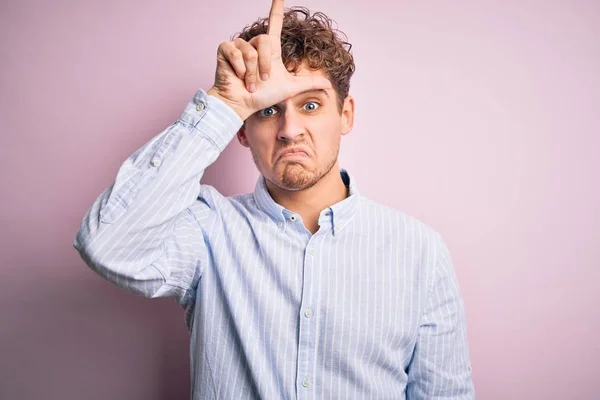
{"x":296,"y":176}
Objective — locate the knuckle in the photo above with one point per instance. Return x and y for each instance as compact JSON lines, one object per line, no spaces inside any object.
{"x":251,"y":55}
{"x":223,"y":47}
{"x":235,"y":55}
{"x":264,"y":44}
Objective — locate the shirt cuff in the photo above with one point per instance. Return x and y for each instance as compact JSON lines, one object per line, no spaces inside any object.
{"x":212,"y":117}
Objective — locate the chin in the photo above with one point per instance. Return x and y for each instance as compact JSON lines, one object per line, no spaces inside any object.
{"x":296,"y":177}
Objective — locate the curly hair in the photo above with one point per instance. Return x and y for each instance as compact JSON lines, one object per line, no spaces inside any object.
{"x":313,"y":40}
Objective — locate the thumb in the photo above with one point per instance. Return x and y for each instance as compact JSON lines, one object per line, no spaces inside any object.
{"x":303,"y":83}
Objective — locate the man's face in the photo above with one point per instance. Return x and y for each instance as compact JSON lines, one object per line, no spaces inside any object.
{"x":310,"y":124}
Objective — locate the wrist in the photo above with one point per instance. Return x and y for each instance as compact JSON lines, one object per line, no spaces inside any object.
{"x":242,"y":113}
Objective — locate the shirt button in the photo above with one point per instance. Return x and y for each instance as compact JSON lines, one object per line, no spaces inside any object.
{"x":280,"y":224}
{"x":293,"y":217}
{"x":306,"y":382}
{"x":156,"y":162}
{"x":311,"y":252}
{"x":308,"y":313}
{"x":200,"y":107}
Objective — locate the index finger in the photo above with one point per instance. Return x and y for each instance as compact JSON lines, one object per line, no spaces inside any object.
{"x":276,"y":19}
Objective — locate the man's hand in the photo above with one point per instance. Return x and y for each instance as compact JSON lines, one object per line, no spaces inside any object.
{"x":251,"y":75}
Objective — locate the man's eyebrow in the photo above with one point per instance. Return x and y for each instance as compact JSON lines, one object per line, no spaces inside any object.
{"x":314,"y":90}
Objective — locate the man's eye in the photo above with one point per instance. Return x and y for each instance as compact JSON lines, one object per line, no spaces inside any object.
{"x":311,"y":106}
{"x":267,"y":112}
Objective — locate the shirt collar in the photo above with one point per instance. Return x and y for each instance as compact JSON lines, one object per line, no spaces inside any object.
{"x":338,"y":214}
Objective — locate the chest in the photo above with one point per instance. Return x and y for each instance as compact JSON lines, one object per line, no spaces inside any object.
{"x":358,"y":289}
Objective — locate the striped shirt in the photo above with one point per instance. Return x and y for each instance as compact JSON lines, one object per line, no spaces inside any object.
{"x":368,"y":307}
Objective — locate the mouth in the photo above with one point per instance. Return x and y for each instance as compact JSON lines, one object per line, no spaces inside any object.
{"x":293,"y":153}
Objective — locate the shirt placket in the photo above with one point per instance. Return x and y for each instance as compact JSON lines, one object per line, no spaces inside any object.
{"x":305,"y":379}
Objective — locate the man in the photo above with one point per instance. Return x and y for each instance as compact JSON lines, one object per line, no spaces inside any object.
{"x":304,"y":288}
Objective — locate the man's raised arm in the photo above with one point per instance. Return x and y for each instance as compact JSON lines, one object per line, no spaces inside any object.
{"x":132,"y":233}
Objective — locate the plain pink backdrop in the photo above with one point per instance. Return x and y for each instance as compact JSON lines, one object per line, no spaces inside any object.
{"x":480,"y":118}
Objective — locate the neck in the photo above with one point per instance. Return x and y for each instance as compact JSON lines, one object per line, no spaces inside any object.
{"x":308,"y":203}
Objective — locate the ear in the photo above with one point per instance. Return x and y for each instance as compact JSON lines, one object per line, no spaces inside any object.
{"x":242,"y":138}
{"x":347,"y":115}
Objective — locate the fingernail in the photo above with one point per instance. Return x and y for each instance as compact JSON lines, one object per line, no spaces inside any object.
{"x":264,"y":76}
{"x":252,"y":87}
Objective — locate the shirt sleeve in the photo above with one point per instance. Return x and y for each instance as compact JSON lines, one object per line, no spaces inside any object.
{"x":440,"y":367}
{"x":140,"y":233}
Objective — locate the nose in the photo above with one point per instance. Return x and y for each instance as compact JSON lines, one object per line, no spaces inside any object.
{"x":291,"y":126}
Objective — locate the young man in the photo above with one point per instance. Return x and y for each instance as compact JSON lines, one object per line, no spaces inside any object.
{"x":304,"y":288}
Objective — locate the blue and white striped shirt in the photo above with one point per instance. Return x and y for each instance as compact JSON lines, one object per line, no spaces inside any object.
{"x":366,"y":308}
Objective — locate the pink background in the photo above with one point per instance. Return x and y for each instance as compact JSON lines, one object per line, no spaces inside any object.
{"x":480,"y":119}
